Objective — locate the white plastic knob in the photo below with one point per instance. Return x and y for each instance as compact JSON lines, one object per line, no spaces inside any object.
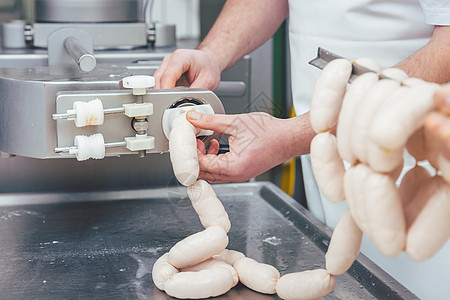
{"x":138,"y":83}
{"x":90,"y":146}
{"x":88,"y":113}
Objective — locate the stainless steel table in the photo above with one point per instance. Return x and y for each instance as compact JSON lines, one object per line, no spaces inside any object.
{"x":102,"y":245}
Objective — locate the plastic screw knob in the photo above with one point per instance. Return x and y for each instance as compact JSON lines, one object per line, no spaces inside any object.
{"x":138,"y":83}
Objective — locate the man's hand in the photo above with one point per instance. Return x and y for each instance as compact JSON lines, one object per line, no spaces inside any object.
{"x":241,"y":27}
{"x":257,"y":142}
{"x":199,"y":66}
{"x":439,"y":121}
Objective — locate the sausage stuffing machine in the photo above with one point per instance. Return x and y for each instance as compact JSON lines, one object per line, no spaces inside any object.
{"x":78,"y":51}
{"x":74,"y":85}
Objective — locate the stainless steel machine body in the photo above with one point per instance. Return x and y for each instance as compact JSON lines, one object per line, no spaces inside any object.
{"x":26,"y":106}
{"x":29,"y":98}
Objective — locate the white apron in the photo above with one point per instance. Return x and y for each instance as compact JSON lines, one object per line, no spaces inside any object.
{"x":387,"y":32}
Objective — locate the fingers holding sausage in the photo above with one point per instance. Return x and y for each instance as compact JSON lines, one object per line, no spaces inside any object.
{"x":430,"y":223}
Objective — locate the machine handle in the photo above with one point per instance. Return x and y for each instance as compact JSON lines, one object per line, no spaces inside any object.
{"x":231,"y":89}
{"x":85,"y":60}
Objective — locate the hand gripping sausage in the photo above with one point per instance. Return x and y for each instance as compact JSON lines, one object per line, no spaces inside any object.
{"x":439,"y":124}
{"x":411,"y":182}
{"x":354,"y":94}
{"x":416,"y":145}
{"x":328,"y":166}
{"x":257,"y":276}
{"x":183,"y":150}
{"x":306,"y":285}
{"x":206,"y":283}
{"x":198,"y":247}
{"x":328,"y":93}
{"x":344,"y":245}
{"x":431,"y":228}
{"x":435,"y":147}
{"x":394,"y":125}
{"x":208,"y":207}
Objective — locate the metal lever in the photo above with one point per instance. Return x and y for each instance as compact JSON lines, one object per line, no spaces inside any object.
{"x":85,"y":60}
{"x":324,"y":57}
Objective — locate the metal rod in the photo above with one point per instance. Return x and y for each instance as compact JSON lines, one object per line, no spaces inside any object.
{"x":115,"y":144}
{"x":108,"y":111}
{"x":85,"y":60}
{"x":63,"y":149}
{"x":75,"y":148}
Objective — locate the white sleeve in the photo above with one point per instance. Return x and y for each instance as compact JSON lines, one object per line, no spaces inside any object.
{"x":437,"y":12}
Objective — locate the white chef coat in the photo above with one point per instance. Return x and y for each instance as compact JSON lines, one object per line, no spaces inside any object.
{"x":386,"y":31}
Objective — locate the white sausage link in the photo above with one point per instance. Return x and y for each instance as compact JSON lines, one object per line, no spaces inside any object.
{"x":328,"y":93}
{"x":354,"y":192}
{"x":162,"y":271}
{"x":229,"y":256}
{"x":305,"y":285}
{"x":384,"y":212}
{"x":368,"y":63}
{"x":183,"y":150}
{"x":208,"y":207}
{"x":198,"y":247}
{"x":202,"y":284}
{"x":355,"y":93}
{"x":213,"y":263}
{"x":364,"y":115}
{"x":257,"y":276}
{"x":327,"y":166}
{"x":344,"y":245}
{"x":395,"y":73}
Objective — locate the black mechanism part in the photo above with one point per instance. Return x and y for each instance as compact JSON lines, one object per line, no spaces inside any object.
{"x":224,"y":148}
{"x":186,"y":101}
{"x":102,"y":245}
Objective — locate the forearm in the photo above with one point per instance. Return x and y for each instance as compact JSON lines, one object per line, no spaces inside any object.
{"x":432,"y":62}
{"x":299,"y":134}
{"x":241,"y":27}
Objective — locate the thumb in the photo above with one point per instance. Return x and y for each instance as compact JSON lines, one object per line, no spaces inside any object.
{"x":215,"y":122}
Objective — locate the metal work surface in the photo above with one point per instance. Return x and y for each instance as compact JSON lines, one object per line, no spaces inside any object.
{"x":103,"y":245}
